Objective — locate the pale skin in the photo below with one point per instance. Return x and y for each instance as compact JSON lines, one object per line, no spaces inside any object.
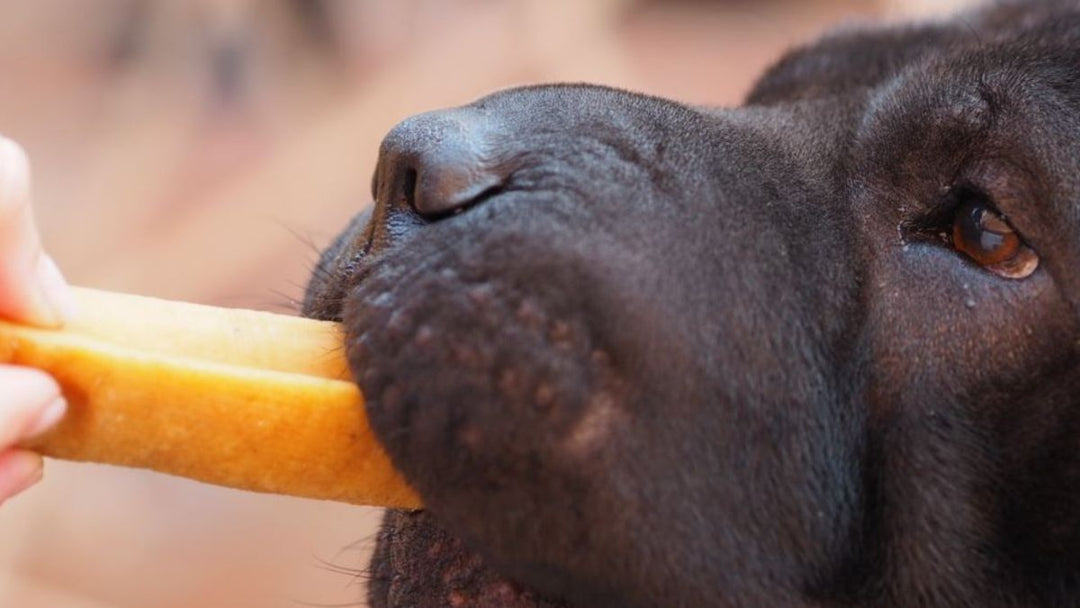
{"x":33,"y":291}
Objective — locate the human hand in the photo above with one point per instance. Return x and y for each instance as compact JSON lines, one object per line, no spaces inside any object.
{"x":32,"y":290}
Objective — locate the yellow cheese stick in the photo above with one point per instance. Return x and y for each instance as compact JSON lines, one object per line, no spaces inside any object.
{"x":239,"y":398}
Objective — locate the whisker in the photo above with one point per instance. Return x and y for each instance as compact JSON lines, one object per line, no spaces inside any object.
{"x":291,"y":303}
{"x":361,"y":544}
{"x":305,"y":239}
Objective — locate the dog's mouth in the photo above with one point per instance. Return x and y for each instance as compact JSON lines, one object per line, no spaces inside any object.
{"x":444,"y":340}
{"x":418,"y":564}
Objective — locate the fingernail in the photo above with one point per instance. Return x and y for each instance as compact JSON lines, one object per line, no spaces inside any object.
{"x":54,"y":293}
{"x":14,"y":169}
{"x":49,"y":417}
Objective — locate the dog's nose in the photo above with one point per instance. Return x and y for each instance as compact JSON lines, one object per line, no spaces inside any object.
{"x":437,"y":163}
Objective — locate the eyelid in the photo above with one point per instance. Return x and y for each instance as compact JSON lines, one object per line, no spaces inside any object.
{"x":935,"y":224}
{"x":1011,"y":185}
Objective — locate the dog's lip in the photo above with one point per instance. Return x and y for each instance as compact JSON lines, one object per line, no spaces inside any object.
{"x":364,"y":268}
{"x":421,"y":561}
{"x":362,"y":262}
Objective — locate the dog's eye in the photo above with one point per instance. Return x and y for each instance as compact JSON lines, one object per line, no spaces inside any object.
{"x":986,"y":237}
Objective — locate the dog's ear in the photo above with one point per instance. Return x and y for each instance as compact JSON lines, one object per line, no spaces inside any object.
{"x":864,"y":56}
{"x":848,"y":59}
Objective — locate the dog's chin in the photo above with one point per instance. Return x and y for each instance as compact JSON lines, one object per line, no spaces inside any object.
{"x":417,"y":564}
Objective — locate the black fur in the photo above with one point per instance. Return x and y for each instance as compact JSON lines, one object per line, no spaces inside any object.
{"x":634,"y":353}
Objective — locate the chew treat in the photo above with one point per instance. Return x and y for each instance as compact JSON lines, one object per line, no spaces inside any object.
{"x":239,"y":398}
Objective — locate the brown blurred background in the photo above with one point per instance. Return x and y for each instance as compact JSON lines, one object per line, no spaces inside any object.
{"x":199,"y":149}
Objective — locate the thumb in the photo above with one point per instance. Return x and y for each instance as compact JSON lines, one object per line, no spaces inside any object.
{"x":31,"y":286}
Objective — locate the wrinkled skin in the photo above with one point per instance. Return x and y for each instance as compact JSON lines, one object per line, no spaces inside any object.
{"x":638,"y":354}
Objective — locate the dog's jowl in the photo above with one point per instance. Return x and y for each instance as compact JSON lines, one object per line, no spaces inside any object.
{"x":820,"y":350}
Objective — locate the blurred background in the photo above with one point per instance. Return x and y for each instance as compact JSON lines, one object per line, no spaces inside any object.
{"x":203,"y":149}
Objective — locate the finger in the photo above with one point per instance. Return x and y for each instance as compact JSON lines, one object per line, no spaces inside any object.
{"x":30,"y":403}
{"x":19,"y":469}
{"x":31,"y":287}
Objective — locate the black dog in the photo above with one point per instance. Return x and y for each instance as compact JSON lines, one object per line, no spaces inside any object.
{"x":821,"y":350}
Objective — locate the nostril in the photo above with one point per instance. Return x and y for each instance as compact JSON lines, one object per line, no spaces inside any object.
{"x":444,"y":204}
{"x":450,"y":177}
{"x":438,"y":164}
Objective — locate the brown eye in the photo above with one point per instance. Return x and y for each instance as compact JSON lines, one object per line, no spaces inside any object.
{"x":987,"y":238}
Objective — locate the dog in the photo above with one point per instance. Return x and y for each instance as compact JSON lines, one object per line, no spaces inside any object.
{"x":819,"y":350}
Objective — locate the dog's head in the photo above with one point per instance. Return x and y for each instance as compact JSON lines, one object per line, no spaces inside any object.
{"x":820,"y":350}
